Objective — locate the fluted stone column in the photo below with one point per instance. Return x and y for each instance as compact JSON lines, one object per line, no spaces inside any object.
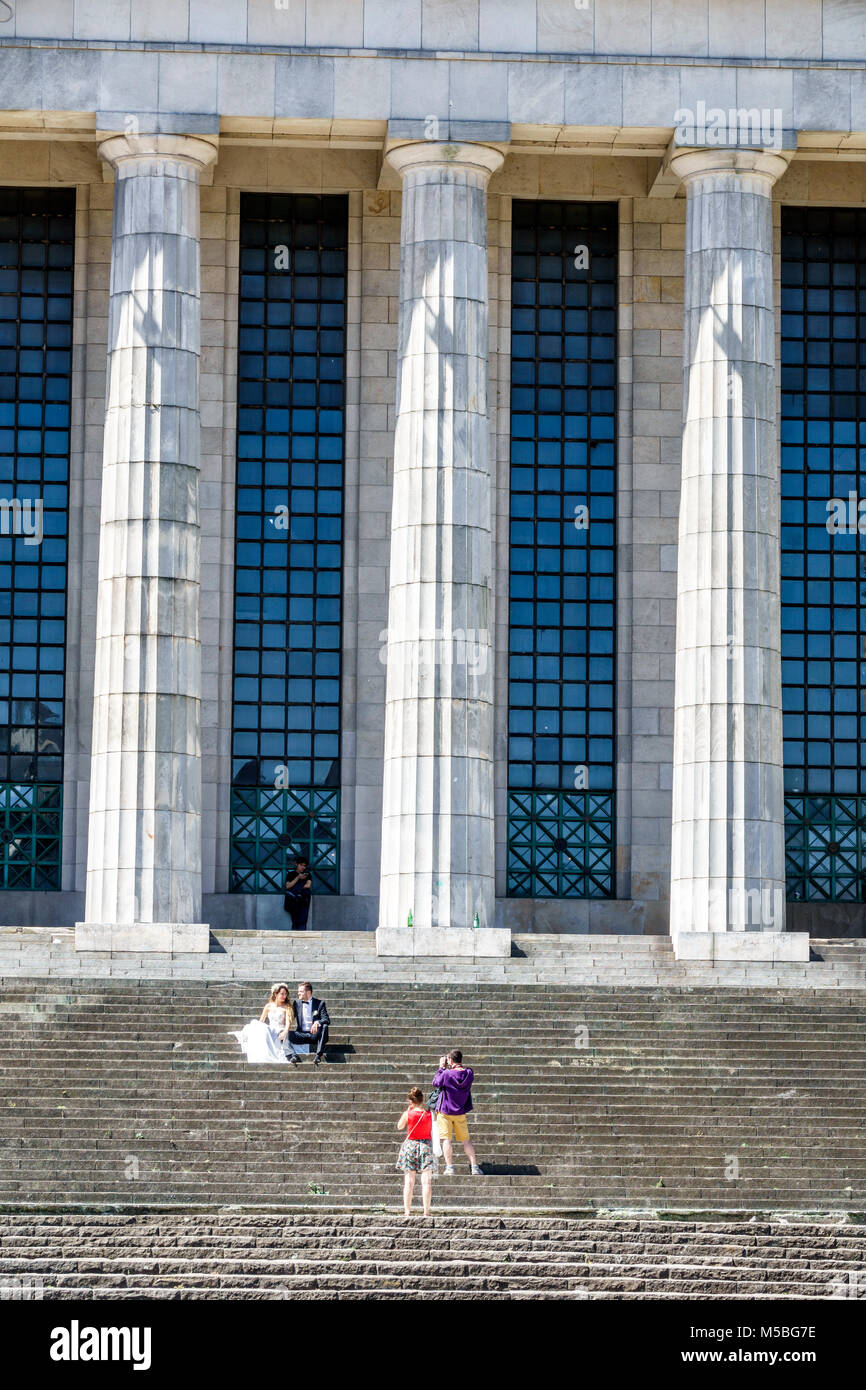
{"x":144,"y":846}
{"x":437,"y":817}
{"x":728,"y":833}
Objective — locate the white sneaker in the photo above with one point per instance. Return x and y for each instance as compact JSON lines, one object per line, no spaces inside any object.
{"x":448,"y":1173}
{"x":476,"y":1171}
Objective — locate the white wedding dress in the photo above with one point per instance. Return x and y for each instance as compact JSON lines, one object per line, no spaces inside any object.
{"x":260,"y":1041}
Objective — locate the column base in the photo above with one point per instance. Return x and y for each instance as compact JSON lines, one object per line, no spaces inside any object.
{"x":170,"y":938}
{"x":720,"y":946}
{"x":443,"y":941}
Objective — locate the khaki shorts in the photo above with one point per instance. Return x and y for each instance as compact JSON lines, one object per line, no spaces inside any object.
{"x":453,"y":1127}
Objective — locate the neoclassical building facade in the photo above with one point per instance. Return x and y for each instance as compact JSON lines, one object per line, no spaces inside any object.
{"x":426,"y":428}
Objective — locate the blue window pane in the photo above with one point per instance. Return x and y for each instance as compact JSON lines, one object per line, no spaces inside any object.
{"x":289,"y":539}
{"x":37,"y":232}
{"x":560,"y":836}
{"x":824,"y":608}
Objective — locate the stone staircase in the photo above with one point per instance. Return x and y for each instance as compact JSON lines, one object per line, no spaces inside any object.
{"x":338,"y":956}
{"x":131,"y":1095}
{"x":377,"y":1256}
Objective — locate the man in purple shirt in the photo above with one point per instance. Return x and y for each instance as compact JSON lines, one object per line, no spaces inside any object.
{"x":454,"y":1105}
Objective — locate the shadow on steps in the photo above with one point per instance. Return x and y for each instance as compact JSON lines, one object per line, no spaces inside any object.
{"x":491,"y":1170}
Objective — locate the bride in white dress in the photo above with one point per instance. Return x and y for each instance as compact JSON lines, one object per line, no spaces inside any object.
{"x":262,"y":1039}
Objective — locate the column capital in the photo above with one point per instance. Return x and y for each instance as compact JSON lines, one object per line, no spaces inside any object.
{"x":689,"y":163}
{"x":440,"y":154}
{"x":121,"y":151}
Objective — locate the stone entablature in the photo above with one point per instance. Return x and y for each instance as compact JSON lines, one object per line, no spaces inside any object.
{"x":720,"y":29}
{"x":597,"y":101}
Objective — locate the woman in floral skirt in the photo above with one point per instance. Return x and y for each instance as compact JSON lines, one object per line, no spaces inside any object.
{"x":416,"y":1151}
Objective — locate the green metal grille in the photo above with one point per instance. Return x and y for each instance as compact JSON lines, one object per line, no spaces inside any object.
{"x":561,"y":844}
{"x":31,"y":822}
{"x":270,"y":827}
{"x":826,"y":848}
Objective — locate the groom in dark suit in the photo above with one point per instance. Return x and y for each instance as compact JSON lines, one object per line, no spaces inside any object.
{"x":312,"y":1026}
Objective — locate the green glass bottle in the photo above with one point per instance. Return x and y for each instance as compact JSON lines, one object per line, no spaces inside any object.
{"x":475,"y":922}
{"x":411,"y":922}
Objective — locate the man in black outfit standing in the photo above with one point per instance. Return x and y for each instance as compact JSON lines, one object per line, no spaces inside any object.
{"x":299,"y":890}
{"x":312,"y":1026}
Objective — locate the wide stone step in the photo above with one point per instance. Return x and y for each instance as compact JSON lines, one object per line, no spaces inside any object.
{"x":420,"y":1038}
{"x":512,"y":1295}
{"x":238,"y":1251}
{"x":470,"y":1274}
{"x":560,"y":1263}
{"x":478,"y":1244}
{"x":405,"y":1289}
{"x":446,"y":986}
{"x":409,"y":1280}
{"x":514,"y":1194}
{"x":502,"y":1226}
{"x":756,"y":1265}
